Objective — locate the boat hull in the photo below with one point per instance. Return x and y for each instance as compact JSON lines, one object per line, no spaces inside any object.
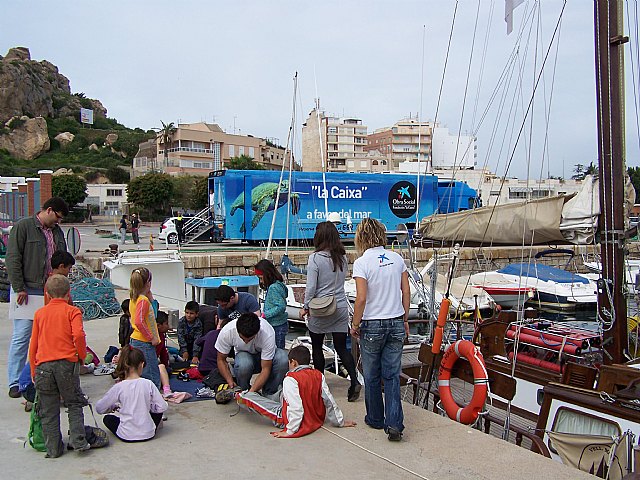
{"x":166,"y":268}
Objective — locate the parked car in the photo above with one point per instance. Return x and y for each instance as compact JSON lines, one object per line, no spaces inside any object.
{"x":169,"y":233}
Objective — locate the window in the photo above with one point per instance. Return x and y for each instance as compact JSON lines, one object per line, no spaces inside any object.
{"x":539,"y":193}
{"x":232,"y":150}
{"x":251,"y":152}
{"x":517,"y":195}
{"x":240,"y":151}
{"x":114,"y":192}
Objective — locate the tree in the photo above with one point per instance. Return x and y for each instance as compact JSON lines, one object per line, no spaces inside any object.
{"x":118,"y":175}
{"x":199,"y":197}
{"x":580,"y":171}
{"x":182,"y":186}
{"x":244,"y":162}
{"x":165,"y":134}
{"x":152,"y":191}
{"x":71,"y":188}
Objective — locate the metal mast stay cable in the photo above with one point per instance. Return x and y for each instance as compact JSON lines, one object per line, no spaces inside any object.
{"x":323,"y":160}
{"x":287,"y":150}
{"x":424,"y":29}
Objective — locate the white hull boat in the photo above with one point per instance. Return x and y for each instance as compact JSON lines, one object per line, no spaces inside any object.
{"x":546,"y":287}
{"x":167,"y":270}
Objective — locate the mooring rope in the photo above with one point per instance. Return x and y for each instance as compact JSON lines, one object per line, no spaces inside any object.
{"x":401,"y":467}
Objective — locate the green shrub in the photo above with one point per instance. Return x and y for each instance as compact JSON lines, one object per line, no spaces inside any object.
{"x":15,"y":122}
{"x":92,"y":176}
{"x":86,"y":103}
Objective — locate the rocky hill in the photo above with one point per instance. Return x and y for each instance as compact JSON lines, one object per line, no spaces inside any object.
{"x":37,"y":89}
{"x":40,"y":123}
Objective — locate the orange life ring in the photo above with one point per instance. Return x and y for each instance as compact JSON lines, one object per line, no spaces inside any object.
{"x":466,"y":349}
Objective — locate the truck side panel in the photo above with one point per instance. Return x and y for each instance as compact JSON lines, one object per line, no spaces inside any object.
{"x":251,"y":197}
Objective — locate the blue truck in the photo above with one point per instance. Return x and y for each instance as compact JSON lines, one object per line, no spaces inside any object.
{"x":244,"y":201}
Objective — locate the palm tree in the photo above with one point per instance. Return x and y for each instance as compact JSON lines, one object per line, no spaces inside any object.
{"x":165,"y":134}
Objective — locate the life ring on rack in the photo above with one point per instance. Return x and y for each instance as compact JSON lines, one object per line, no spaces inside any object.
{"x":466,"y":349}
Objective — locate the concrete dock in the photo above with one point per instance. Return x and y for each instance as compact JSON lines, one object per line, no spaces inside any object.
{"x":203,"y":440}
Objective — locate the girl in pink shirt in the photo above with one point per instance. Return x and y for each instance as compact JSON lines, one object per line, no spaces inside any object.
{"x":137,"y":402}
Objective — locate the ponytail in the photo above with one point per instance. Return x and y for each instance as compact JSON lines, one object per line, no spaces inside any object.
{"x":139,"y":278}
{"x":130,"y":358}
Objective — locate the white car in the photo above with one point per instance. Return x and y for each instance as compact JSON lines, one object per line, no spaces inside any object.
{"x":169,"y":233}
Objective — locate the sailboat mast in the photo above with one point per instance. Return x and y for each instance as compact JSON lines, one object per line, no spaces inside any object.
{"x":609,"y":53}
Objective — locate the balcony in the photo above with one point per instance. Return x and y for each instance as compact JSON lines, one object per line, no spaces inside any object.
{"x":188,"y":149}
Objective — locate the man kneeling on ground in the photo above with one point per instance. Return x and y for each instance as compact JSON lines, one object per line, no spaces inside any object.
{"x":254,"y":342}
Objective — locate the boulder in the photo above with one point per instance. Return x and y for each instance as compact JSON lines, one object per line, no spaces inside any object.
{"x":27,"y":140}
{"x":117,"y":152}
{"x":63,"y":171}
{"x":65,"y":138}
{"x":18,"y":53}
{"x":111,"y":139}
{"x":93,"y":147}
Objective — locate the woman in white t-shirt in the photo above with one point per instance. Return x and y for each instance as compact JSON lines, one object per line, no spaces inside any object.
{"x":380,"y":316}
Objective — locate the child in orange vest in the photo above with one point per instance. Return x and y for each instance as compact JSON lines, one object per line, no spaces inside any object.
{"x":306,"y":400}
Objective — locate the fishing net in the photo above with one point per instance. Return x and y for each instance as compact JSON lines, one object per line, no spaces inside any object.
{"x":94,"y":297}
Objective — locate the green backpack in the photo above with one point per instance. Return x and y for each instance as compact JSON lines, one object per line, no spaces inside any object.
{"x":35,"y":437}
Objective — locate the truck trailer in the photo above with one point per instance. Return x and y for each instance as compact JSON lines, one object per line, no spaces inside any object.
{"x":244,"y":201}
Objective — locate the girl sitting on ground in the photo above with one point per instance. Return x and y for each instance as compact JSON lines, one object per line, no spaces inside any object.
{"x":137,"y":401}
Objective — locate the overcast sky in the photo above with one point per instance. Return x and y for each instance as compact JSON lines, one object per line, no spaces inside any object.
{"x":233,"y":62}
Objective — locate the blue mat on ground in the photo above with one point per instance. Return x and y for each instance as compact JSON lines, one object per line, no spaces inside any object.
{"x":191,"y":386}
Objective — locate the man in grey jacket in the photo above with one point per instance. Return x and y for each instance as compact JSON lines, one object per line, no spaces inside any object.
{"x":32,"y":242}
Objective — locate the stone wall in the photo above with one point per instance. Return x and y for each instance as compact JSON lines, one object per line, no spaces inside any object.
{"x":470,"y":260}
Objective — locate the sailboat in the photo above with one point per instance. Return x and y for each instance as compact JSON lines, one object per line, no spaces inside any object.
{"x":587,"y":412}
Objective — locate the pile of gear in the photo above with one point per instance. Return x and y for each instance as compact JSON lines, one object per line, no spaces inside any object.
{"x":95,"y":297}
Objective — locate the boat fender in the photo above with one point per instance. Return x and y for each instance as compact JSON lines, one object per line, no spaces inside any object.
{"x":466,"y":415}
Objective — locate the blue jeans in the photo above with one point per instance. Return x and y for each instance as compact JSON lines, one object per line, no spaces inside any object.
{"x":246,"y":364}
{"x":281,"y":334}
{"x":151,"y":370}
{"x":18,"y":349}
{"x":381,"y":350}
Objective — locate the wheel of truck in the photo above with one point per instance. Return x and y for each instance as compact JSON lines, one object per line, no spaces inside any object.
{"x":172,"y":238}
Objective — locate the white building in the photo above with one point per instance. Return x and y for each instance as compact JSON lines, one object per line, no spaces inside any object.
{"x":452,"y":151}
{"x":495,"y":190}
{"x":111,"y":198}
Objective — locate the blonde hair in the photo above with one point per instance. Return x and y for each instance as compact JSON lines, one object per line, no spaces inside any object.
{"x":139,"y":278}
{"x":57,"y":286}
{"x":370,"y":233}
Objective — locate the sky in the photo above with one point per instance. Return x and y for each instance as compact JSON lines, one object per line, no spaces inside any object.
{"x":233,"y":63}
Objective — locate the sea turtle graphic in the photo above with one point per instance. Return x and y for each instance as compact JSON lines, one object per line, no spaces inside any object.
{"x":263,"y":200}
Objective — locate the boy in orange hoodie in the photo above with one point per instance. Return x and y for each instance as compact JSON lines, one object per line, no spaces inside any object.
{"x":56,"y":351}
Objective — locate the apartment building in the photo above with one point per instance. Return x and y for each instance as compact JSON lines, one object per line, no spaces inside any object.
{"x":407,"y":140}
{"x":341,"y":141}
{"x":199,"y":148}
